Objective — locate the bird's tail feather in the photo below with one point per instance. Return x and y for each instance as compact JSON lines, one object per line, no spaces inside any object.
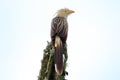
{"x":58,"y":55}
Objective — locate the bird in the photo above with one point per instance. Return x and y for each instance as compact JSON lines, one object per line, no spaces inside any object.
{"x":59,"y":33}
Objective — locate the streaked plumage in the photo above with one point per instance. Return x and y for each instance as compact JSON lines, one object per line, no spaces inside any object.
{"x":59,"y":31}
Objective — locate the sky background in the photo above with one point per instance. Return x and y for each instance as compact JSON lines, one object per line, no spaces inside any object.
{"x":93,"y":38}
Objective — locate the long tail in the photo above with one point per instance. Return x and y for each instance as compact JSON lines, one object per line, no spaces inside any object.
{"x":58,"y":55}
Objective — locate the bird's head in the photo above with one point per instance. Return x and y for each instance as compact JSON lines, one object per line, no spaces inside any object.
{"x":64,"y":12}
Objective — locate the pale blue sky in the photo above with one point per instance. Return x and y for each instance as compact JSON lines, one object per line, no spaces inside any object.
{"x":93,"y":40}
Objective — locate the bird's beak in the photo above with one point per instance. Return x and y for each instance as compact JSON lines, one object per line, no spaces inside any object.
{"x":71,"y":11}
